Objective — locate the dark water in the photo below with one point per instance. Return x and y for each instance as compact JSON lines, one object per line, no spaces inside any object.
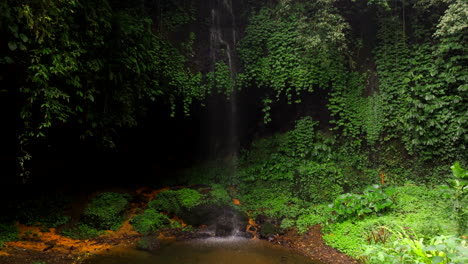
{"x":207,"y":251}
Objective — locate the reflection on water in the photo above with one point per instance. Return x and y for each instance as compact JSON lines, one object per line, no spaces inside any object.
{"x":207,"y":251}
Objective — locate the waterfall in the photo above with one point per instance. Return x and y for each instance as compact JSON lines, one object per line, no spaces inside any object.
{"x":222,"y":42}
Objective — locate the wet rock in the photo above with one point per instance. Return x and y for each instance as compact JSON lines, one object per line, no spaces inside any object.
{"x":268,"y":230}
{"x":148,"y":243}
{"x":221,"y":220}
{"x":245,"y":234}
{"x":224,"y":225}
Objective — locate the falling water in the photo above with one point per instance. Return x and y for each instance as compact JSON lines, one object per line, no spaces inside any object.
{"x":222,"y":43}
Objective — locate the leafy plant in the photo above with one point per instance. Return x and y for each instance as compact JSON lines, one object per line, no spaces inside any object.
{"x":105,"y":211}
{"x":380,"y":234}
{"x":373,"y":200}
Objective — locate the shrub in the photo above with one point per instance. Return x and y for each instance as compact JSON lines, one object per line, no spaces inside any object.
{"x":149,"y":221}
{"x":106,"y":210}
{"x":7,"y":233}
{"x":318,"y":183}
{"x":271,"y":204}
{"x":373,"y":200}
{"x":175,"y":202}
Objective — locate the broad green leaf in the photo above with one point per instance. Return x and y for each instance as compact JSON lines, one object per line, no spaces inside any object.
{"x":12,"y":45}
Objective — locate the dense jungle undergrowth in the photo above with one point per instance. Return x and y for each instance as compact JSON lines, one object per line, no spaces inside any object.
{"x":350,"y":115}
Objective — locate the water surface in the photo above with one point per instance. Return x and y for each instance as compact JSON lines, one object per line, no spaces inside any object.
{"x":206,"y":251}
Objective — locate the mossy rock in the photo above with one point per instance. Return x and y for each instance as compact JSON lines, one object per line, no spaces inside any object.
{"x":106,"y":211}
{"x":149,"y":221}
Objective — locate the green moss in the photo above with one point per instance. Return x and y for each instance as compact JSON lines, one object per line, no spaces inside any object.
{"x":149,"y":221}
{"x":175,"y":202}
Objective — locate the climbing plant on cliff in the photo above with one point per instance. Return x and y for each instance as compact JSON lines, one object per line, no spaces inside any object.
{"x":423,"y":100}
{"x":289,"y":48}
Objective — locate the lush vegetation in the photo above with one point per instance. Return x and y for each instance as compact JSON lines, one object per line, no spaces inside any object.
{"x":369,"y":99}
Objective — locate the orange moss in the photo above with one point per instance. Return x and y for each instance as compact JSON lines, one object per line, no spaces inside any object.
{"x":35,"y":239}
{"x":38,"y":239}
{"x":252,"y":227}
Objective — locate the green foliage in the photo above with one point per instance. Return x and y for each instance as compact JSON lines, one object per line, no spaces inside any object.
{"x":301,"y":139}
{"x":289,"y":48}
{"x":82,"y":231}
{"x":304,"y":221}
{"x":287,"y":223}
{"x":7,"y":233}
{"x":373,"y":200}
{"x":422,"y":100}
{"x":422,"y":211}
{"x":105,"y":211}
{"x":176,"y":202}
{"x":149,"y":221}
{"x":347,"y":236}
{"x":318,"y":183}
{"x":408,"y":249}
{"x":221,"y":79}
{"x":267,"y":160}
